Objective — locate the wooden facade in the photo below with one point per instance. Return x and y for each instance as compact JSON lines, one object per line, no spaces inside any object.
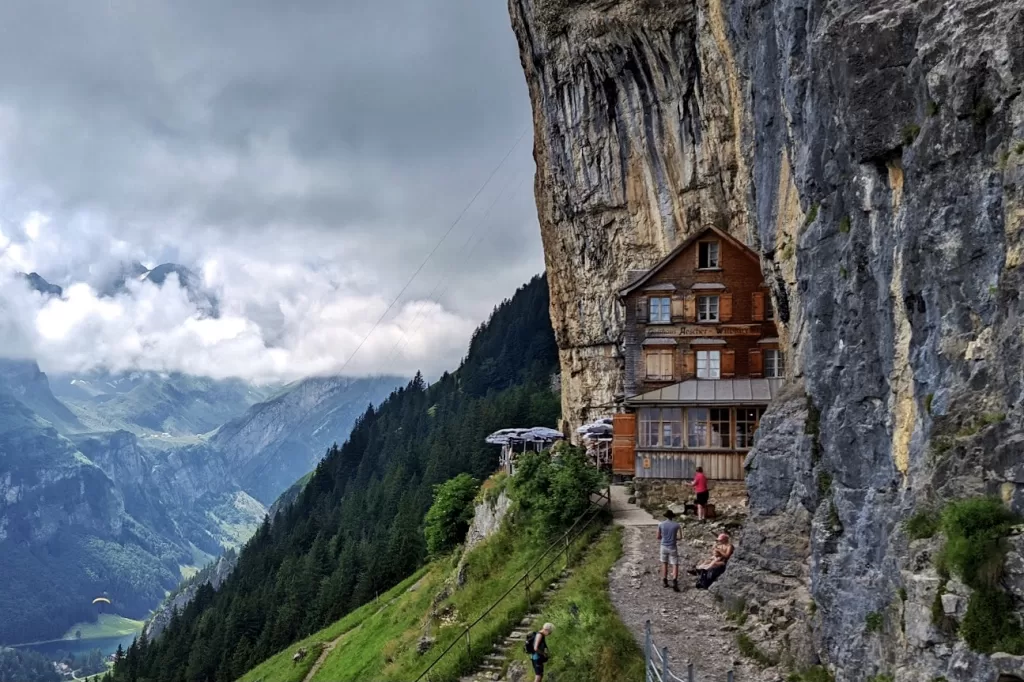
{"x":702,"y":361}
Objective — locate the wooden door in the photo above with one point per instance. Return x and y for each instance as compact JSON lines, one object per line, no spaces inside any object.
{"x":624,"y":444}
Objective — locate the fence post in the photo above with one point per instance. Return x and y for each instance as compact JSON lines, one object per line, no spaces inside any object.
{"x":526,"y":583}
{"x":664,"y":664}
{"x":567,"y":551}
{"x":469,"y":648}
{"x":647,"y":650}
{"x":689,"y":671}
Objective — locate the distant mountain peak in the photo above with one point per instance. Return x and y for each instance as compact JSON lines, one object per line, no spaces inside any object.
{"x":36,"y":281}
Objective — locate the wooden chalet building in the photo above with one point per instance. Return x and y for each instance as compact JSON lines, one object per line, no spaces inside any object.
{"x":702,"y":361}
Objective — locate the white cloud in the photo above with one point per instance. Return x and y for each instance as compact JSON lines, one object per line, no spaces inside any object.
{"x":307,"y":326}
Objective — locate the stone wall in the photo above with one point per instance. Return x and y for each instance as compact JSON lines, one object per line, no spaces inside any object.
{"x":656,"y":495}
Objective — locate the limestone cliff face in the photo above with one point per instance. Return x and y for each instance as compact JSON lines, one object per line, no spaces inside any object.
{"x":637,"y":146}
{"x":873,"y":151}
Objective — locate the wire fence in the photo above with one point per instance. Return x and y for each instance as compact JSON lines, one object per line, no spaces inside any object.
{"x":656,"y":663}
{"x":464,"y":647}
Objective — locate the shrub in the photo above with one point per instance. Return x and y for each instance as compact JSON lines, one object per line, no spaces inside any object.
{"x":816,"y":673}
{"x":910,"y":133}
{"x":843,"y":272}
{"x":448,"y":518}
{"x":492,"y":488}
{"x":928,"y":402}
{"x":1019,"y":148}
{"x":902,"y":592}
{"x":874,"y":622}
{"x":933,"y":108}
{"x":749,"y":649}
{"x":923,"y":524}
{"x":844,"y":224}
{"x":990,"y":624}
{"x":812,"y":215}
{"x":552,"y":493}
{"x":975,"y":529}
{"x":824,"y":482}
{"x":976,"y":550}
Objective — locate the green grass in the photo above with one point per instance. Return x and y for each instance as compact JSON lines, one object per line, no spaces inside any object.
{"x":107,"y":625}
{"x":812,"y":215}
{"x":923,"y":524}
{"x":280,"y":668}
{"x":874,"y":622}
{"x":975,"y":550}
{"x":910,"y":133}
{"x":750,"y":650}
{"x":384,"y":648}
{"x":824,"y":482}
{"x":933,"y":108}
{"x":589,"y":642}
{"x":844,"y":225}
{"x":816,"y":673}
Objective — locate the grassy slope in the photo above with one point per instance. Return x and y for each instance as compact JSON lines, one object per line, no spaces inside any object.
{"x":280,"y":668}
{"x":381,"y":642}
{"x":594,"y":645}
{"x":107,"y":625}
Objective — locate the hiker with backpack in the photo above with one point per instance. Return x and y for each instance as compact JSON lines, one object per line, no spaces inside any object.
{"x":537,"y":647}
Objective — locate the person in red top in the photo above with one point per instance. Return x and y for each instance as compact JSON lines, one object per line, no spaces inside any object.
{"x":700,"y":486}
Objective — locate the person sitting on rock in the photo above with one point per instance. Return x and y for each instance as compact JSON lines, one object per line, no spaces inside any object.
{"x":709,"y":571}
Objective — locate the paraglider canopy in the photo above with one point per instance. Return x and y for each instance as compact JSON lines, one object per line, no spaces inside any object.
{"x":100,"y":599}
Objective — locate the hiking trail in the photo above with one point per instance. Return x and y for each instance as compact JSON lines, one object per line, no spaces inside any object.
{"x":495,"y":664}
{"x":689,"y":622}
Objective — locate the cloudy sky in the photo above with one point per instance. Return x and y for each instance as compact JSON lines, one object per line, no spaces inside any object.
{"x":302,"y":158}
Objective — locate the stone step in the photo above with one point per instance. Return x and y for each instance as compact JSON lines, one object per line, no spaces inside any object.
{"x":526,"y":621}
{"x":499,"y":658}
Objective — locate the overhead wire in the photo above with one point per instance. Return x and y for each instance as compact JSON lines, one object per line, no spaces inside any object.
{"x":416,"y":273}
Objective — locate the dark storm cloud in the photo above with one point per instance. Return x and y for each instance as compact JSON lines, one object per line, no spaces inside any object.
{"x":313,"y":132}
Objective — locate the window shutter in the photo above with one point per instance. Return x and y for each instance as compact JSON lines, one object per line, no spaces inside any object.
{"x":757,"y":301}
{"x":725,"y":307}
{"x":690,"y":307}
{"x":641,"y":309}
{"x":689,"y":364}
{"x":728,"y":364}
{"x":756,"y":362}
{"x":678,"y":307}
{"x":651,"y":364}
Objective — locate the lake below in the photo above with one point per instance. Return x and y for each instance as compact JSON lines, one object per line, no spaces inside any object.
{"x":107,"y":645}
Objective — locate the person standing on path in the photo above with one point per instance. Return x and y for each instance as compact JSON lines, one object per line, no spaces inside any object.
{"x":700,"y":486}
{"x":539,"y":653}
{"x":669,"y":534}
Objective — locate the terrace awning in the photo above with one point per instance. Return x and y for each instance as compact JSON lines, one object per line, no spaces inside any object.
{"x":712,"y":392}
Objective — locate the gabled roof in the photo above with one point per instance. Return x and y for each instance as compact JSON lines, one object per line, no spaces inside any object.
{"x":639,"y":281}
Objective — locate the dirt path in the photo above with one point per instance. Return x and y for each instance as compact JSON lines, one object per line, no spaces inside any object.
{"x":689,"y":622}
{"x":329,"y":647}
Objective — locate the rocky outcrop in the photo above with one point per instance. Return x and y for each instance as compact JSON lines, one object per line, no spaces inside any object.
{"x":277,"y":441}
{"x":488,"y":516}
{"x":874,"y":153}
{"x":213,"y":575}
{"x":637,"y":146}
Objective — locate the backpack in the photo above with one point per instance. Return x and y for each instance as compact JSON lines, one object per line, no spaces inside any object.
{"x":530,"y":639}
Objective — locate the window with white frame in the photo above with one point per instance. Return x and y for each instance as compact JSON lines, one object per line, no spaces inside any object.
{"x":774,"y":364}
{"x":707,"y":255}
{"x":661,"y":427}
{"x":660,"y":310}
{"x":707,"y":308}
{"x":709,"y":364}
